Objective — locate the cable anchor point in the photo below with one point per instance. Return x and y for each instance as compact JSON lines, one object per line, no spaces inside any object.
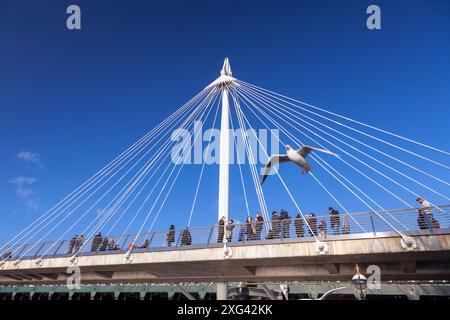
{"x":408,"y":243}
{"x":17,"y":263}
{"x":227,"y":251}
{"x":39,"y":262}
{"x":129,"y":257}
{"x":322,"y":247}
{"x":74,"y":260}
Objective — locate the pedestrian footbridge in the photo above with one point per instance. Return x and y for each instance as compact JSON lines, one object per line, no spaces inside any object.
{"x":417,"y":252}
{"x":357,"y":167}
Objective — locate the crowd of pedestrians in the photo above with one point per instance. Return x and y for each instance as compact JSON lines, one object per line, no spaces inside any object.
{"x":279,"y":227}
{"x":75,"y":244}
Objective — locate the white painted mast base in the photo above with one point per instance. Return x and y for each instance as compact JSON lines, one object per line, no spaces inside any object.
{"x":222,"y":291}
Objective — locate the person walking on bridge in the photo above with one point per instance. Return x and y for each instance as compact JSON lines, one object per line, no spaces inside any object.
{"x":334,"y":220}
{"x":96,"y":242}
{"x":104,"y":244}
{"x":78,"y":243}
{"x":427,"y":214}
{"x":312,"y":223}
{"x":71,"y":244}
{"x":230,"y":229}
{"x":275,"y":225}
{"x":221,"y":230}
{"x":249,"y":229}
{"x":285,"y":223}
{"x":170,"y":236}
{"x":259,"y":223}
{"x":112,"y":245}
{"x":186,"y":238}
{"x":299,"y":226}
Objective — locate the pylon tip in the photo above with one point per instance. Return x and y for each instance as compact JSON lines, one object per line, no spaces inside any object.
{"x":226,"y":69}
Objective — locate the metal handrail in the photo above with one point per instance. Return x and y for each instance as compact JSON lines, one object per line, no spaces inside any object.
{"x":287,"y":229}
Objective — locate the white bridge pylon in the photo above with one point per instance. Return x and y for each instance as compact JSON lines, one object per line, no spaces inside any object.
{"x":129,"y":194}
{"x":224,"y":170}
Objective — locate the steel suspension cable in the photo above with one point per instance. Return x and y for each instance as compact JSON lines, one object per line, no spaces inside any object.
{"x":349,"y":119}
{"x":376,"y":212}
{"x":252,"y":164}
{"x":94,"y":179}
{"x":353,"y":139}
{"x":203,"y":168}
{"x":243,"y":119}
{"x":315,"y":178}
{"x":71,"y":212}
{"x":200,"y":107}
{"x":354,"y":148}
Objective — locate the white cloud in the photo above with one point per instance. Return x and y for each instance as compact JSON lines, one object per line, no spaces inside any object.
{"x":21,"y":181}
{"x":29,"y":157}
{"x":24,"y":190}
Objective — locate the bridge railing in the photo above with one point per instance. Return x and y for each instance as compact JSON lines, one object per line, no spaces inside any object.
{"x":322,"y":226}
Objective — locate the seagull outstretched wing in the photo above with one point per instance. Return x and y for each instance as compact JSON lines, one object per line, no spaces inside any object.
{"x":306,"y":150}
{"x":273,"y":160}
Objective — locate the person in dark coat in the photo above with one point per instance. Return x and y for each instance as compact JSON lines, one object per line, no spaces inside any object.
{"x":249,"y":231}
{"x":96,"y":242}
{"x":186,"y":238}
{"x":259,"y":223}
{"x":299,"y":228}
{"x":334,"y":220}
{"x":285,"y":223}
{"x":230,"y":228}
{"x":104,"y":244}
{"x":312,"y":222}
{"x":78,"y":243}
{"x":170,"y":236}
{"x":275,"y":225}
{"x":221,"y":230}
{"x":71,"y":244}
{"x":112,"y":245}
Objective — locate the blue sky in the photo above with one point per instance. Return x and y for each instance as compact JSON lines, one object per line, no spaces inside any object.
{"x":72,"y":100}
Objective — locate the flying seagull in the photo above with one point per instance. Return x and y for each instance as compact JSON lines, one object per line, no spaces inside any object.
{"x":295,"y":156}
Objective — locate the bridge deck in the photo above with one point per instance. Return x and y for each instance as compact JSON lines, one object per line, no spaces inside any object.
{"x":364,"y":224}
{"x":275,"y":260}
{"x":289,"y":253}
